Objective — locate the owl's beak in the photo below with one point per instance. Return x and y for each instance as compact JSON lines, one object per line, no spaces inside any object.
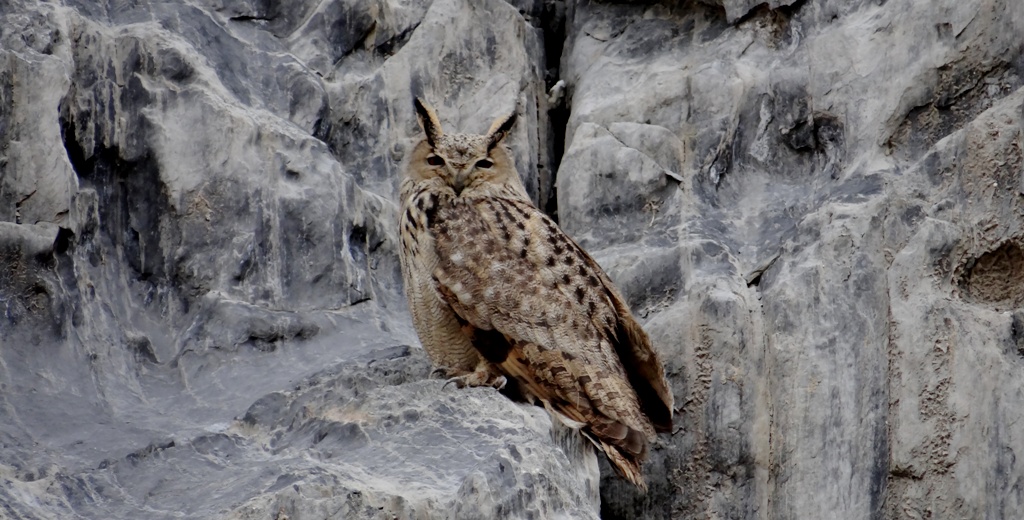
{"x":460,"y":182}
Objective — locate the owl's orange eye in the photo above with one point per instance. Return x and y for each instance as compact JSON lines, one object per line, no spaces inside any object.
{"x":435,"y":160}
{"x":484,"y":163}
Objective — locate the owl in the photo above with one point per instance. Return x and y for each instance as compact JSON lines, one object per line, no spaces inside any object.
{"x":499,"y":294}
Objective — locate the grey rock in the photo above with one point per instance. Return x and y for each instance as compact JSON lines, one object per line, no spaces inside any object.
{"x":199,"y":273}
{"x":815,"y":207}
{"x":738,"y":9}
{"x":839,"y":265}
{"x":363,"y":439}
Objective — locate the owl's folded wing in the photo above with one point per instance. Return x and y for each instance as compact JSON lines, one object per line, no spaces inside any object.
{"x":506,"y":267}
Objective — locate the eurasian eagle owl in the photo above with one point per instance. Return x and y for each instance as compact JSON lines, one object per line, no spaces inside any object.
{"x":498,"y":292}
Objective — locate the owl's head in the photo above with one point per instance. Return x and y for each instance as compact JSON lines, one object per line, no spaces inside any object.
{"x":470,"y":164}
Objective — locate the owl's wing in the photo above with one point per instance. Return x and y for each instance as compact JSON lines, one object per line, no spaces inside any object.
{"x":569,"y":337}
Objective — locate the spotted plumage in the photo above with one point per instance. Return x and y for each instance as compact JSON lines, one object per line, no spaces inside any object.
{"x":498,"y":292}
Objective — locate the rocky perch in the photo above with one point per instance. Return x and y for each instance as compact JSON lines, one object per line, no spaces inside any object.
{"x":816,"y":207}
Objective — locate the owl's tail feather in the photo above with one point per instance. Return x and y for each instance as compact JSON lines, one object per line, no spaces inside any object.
{"x":625,"y":447}
{"x":625,"y":464}
{"x":625,"y":454}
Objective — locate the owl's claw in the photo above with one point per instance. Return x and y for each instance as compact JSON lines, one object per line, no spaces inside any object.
{"x":479,"y":378}
{"x":459,"y":382}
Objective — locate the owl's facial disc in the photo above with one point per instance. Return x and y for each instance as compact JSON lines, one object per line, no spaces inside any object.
{"x":457,"y":157}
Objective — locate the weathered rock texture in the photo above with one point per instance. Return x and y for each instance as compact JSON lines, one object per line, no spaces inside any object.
{"x":198,"y":267}
{"x":820,"y":208}
{"x":816,"y":207}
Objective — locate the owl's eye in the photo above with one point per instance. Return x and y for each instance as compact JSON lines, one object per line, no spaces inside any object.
{"x":435,"y":160}
{"x":484,"y":163}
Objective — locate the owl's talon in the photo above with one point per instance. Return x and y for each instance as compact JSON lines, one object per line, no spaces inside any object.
{"x":438,"y":373}
{"x":474,"y":379}
{"x":460,"y":382}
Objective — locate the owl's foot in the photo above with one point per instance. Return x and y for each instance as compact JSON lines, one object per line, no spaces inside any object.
{"x":478,"y":378}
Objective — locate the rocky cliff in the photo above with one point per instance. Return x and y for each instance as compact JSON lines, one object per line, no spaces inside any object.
{"x":815,"y":207}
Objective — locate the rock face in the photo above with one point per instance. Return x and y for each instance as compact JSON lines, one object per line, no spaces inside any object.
{"x":200,"y":295}
{"x":816,"y":208}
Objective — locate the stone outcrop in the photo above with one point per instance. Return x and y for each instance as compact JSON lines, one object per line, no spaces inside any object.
{"x":815,"y":207}
{"x":820,"y":207}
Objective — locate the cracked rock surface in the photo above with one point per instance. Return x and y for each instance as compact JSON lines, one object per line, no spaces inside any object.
{"x":815,"y":207}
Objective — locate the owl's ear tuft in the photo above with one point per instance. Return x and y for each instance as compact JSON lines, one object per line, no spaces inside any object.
{"x":429,"y":122}
{"x":500,"y":128}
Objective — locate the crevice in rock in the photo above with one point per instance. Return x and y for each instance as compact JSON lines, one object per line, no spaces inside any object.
{"x":152,"y":449}
{"x":822,"y":134}
{"x":250,"y":18}
{"x":755,"y":282}
{"x":142,"y":349}
{"x":321,"y":128}
{"x":554,"y":29}
{"x":357,"y":244}
{"x":777,"y":20}
{"x":25,"y":198}
{"x":131,"y":199}
{"x":1017,"y":332}
{"x":392,"y":45}
{"x":64,"y":240}
{"x":68,"y":134}
{"x":70,"y":298}
{"x":347,"y":45}
{"x":376,"y":41}
{"x":965,"y":89}
{"x":17,"y":206}
{"x":765,"y":8}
